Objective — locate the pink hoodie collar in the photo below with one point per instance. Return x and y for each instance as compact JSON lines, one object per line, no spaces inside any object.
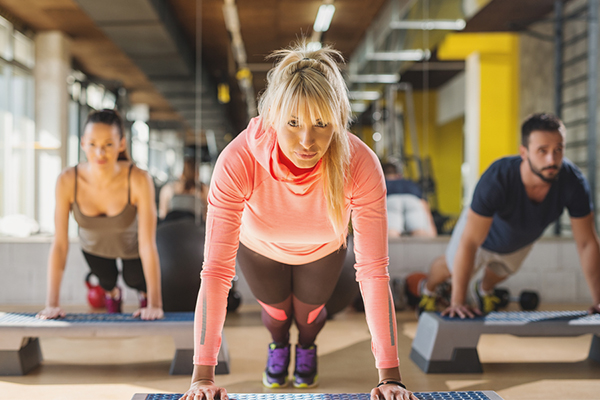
{"x":262,"y":143}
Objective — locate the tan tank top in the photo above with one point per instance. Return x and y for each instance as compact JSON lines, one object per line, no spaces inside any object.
{"x":109,"y":237}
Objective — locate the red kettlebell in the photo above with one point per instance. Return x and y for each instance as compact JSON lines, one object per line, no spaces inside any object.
{"x":96,"y":295}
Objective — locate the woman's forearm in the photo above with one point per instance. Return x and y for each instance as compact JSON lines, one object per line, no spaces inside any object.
{"x":150,"y":264}
{"x":56,"y":267}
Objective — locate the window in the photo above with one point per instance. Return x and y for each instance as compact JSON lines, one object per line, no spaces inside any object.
{"x":17,"y":127}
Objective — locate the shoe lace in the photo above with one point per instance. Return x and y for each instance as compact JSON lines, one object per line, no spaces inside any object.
{"x":306,"y":359}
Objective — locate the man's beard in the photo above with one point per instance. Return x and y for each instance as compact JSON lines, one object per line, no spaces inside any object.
{"x":538,"y":172}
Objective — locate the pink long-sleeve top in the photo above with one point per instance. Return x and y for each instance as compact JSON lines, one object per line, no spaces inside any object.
{"x":254,"y":198}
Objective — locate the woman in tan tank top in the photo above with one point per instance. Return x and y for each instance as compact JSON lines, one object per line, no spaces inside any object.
{"x":113,"y":204}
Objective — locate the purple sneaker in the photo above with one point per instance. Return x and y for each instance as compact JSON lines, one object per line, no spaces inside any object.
{"x":305,"y":374}
{"x":276,"y":374}
{"x":113,"y":306}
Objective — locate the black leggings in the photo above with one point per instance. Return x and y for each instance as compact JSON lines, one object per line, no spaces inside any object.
{"x":292,"y":292}
{"x":106,"y":271}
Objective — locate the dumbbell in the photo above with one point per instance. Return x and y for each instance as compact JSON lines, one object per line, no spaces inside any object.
{"x":528,"y":299}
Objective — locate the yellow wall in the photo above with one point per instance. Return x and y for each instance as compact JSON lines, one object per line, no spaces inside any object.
{"x":444,"y":147}
{"x":499,"y":83}
{"x":447,"y":162}
{"x":424,"y":120}
{"x":499,"y":125}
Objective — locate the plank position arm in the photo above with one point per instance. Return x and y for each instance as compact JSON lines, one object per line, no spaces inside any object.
{"x":60,"y":245}
{"x":143,"y":197}
{"x":476,"y":230}
{"x":588,"y":247}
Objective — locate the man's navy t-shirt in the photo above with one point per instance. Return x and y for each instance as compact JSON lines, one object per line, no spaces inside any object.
{"x":403,"y":186}
{"x":519,"y":221}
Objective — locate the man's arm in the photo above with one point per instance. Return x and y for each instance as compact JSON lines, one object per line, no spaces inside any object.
{"x":474,"y":234}
{"x":588,"y":247}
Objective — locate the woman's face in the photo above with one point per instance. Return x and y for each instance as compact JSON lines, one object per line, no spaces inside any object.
{"x":101,"y":144}
{"x":304,"y":143}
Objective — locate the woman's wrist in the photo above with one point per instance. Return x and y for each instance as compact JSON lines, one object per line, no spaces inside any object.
{"x":203,"y":373}
{"x":391,"y":382}
{"x":390,"y":374}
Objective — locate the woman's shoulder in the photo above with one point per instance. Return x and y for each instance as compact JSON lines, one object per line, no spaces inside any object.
{"x":138,"y":175}
{"x":360,"y":153}
{"x":67,"y":176}
{"x":65,"y":183}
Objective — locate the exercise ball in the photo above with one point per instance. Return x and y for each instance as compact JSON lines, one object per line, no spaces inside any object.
{"x":346,"y":289}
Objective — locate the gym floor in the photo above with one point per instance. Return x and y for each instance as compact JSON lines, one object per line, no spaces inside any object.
{"x":516,"y":368}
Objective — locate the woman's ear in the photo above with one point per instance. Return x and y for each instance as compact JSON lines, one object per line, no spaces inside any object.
{"x":122,"y":144}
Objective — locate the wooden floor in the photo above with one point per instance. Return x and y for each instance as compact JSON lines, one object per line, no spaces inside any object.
{"x":516,"y":368}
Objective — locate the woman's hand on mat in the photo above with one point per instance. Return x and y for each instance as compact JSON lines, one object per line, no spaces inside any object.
{"x":149,"y":313}
{"x":595,"y":309}
{"x":205,"y":390}
{"x":392,"y":391}
{"x":51,"y":313}
{"x":461,"y":310}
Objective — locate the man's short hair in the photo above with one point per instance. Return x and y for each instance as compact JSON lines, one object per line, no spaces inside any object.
{"x":390,"y":168}
{"x":540,"y":122}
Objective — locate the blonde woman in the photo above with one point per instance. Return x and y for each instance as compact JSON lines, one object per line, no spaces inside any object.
{"x":113,"y":204}
{"x":281,"y":198}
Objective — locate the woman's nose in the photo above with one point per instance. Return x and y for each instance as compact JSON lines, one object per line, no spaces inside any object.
{"x":306,"y":137}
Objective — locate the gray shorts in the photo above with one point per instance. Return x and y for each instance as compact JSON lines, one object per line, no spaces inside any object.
{"x":500,"y":264}
{"x":406,"y":213}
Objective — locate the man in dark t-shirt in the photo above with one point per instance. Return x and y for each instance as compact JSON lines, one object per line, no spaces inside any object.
{"x":514,"y":201}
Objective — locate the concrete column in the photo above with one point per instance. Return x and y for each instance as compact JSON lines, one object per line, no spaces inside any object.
{"x":52,"y":67}
{"x":470,"y":167}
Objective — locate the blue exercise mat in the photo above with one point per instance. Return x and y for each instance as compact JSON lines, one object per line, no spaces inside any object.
{"x":82,"y":318}
{"x":508,"y":317}
{"x":338,"y":396}
{"x":533,"y":316}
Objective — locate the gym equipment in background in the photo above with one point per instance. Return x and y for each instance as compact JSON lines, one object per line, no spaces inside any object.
{"x":96,"y":296}
{"x":180,"y":245}
{"x":529,"y":300}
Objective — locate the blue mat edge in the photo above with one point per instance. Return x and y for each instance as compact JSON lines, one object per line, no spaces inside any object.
{"x":96,"y":317}
{"x":442,"y":395}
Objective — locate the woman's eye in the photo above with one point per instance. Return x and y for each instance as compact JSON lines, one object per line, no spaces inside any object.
{"x":293,"y":123}
{"x":321,"y":125}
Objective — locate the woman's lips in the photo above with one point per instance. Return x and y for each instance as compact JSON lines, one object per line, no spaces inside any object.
{"x":305,"y":156}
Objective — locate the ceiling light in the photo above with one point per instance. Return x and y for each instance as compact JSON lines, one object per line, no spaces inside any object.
{"x":313,"y":46}
{"x":430,"y":24}
{"x":358,"y":107}
{"x":402,"y":55}
{"x":375,"y":78}
{"x":364,"y":95}
{"x":324,"y":17}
